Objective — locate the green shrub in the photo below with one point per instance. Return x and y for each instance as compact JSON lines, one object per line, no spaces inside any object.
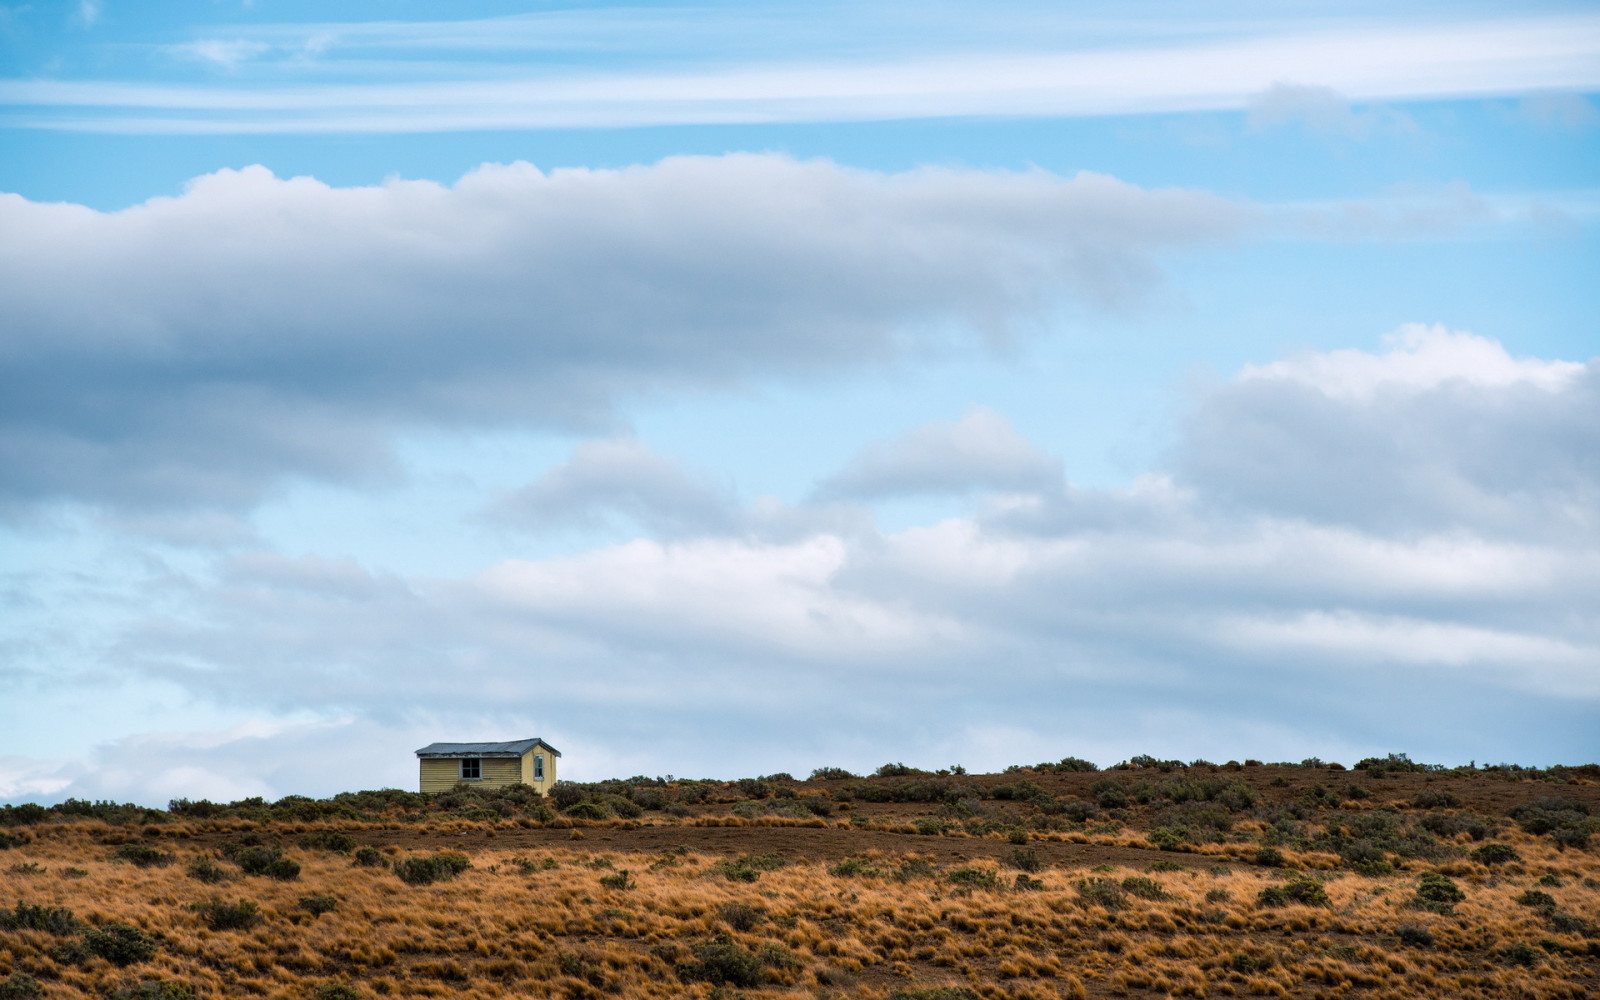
{"x":1522,"y":953}
{"x":974,"y":878}
{"x":1025,"y":859}
{"x":739,"y":916}
{"x":934,"y":993}
{"x":432,"y":868}
{"x":54,"y":920}
{"x":1301,"y":889}
{"x":749,"y":867}
{"x":318,"y":905}
{"x":1164,"y":865}
{"x":1101,"y":892}
{"x":1144,"y":888}
{"x":336,"y":991}
{"x":370,"y":857}
{"x":262,"y":859}
{"x":831,"y":774}
{"x":142,"y":856}
{"x":120,"y":944}
{"x":10,"y":840}
{"x":329,"y":840}
{"x":220,"y":916}
{"x":1417,"y":937}
{"x":1270,"y":857}
{"x":617,"y":880}
{"x":1026,"y":884}
{"x":587,"y":810}
{"x":852,"y":867}
{"x":1537,"y":899}
{"x":207,"y":871}
{"x":723,"y":962}
{"x":20,"y":986}
{"x":1437,"y":892}
{"x":1166,"y":838}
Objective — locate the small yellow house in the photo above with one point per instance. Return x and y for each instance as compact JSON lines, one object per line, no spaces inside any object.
{"x":494,"y":765}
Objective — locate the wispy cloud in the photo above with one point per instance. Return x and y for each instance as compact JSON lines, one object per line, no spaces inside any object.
{"x":1132,"y":76}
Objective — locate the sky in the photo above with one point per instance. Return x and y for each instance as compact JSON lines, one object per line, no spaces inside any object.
{"x":735,"y":388}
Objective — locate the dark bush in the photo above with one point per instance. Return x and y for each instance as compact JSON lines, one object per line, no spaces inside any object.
{"x":262,"y":859}
{"x":618,"y":880}
{"x":207,"y":871}
{"x":1110,"y":794}
{"x":318,"y":905}
{"x":336,"y":991}
{"x":1144,"y":888}
{"x":20,"y":986}
{"x":10,"y":840}
{"x":723,"y":962}
{"x":739,"y":916}
{"x":1537,"y":899}
{"x":432,"y":868}
{"x":749,"y":867}
{"x":329,"y":840}
{"x":26,"y":814}
{"x":370,"y":857}
{"x":934,"y":993}
{"x":1495,"y":854}
{"x":1300,"y":889}
{"x":851,"y":867}
{"x":1025,"y":859}
{"x":1522,"y":953}
{"x":1026,"y":884}
{"x":120,"y":944}
{"x":830,"y":774}
{"x":54,"y":920}
{"x":220,"y":916}
{"x":1101,"y":892}
{"x":587,"y":810}
{"x":1431,"y":799}
{"x":974,"y":878}
{"x":1269,"y":857}
{"x":1417,"y":937}
{"x":1436,"y":893}
{"x":142,"y":856}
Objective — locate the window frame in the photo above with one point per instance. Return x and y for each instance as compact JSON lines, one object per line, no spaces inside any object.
{"x":474,"y":765}
{"x":538,"y":767}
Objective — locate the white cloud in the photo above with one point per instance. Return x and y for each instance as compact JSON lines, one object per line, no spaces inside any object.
{"x":980,"y":451}
{"x":1323,"y":110}
{"x":1064,"y":72}
{"x":618,"y":477}
{"x":1567,"y":111}
{"x":200,"y":350}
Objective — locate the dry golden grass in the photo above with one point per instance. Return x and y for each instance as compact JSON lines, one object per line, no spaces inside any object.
{"x":521,"y":924}
{"x":547,"y":911}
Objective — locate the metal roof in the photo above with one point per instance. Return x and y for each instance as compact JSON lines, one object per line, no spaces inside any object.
{"x":515,"y":748}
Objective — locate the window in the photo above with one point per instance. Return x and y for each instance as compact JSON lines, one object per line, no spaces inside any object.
{"x":538,"y":767}
{"x":471,"y":769}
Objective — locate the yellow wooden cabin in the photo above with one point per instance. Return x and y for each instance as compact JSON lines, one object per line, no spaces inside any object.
{"x":494,"y":765}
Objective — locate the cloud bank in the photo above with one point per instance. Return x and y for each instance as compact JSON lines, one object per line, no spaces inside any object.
{"x":1441,"y":593}
{"x":200,"y":349}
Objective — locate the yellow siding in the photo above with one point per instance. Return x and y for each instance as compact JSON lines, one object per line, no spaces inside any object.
{"x":442,"y":774}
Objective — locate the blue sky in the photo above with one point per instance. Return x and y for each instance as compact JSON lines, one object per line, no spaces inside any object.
{"x":731,"y":388}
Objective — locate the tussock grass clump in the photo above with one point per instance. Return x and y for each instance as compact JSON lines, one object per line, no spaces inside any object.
{"x":220,"y":916}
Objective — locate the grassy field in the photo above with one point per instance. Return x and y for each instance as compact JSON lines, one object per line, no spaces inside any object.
{"x":1156,"y":880}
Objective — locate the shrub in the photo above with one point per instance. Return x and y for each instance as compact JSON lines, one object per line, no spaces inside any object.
{"x":1026,"y":884}
{"x":1300,"y":889}
{"x":934,"y":993}
{"x":739,"y":916}
{"x":20,"y":986}
{"x":54,"y":920}
{"x":220,"y":916}
{"x":852,"y":867}
{"x":142,"y":856}
{"x":1269,"y":857}
{"x":330,"y":840}
{"x":336,"y":991}
{"x":318,"y":905}
{"x":749,"y":867}
{"x":1537,"y":899}
{"x":1522,"y":953}
{"x":1101,"y":892}
{"x":370,"y":857}
{"x":262,"y":859}
{"x":1144,"y":888}
{"x":431,"y":868}
{"x":618,"y":880}
{"x":831,"y":774}
{"x":1025,"y":859}
{"x":207,"y":871}
{"x":722,"y":962}
{"x":1495,"y":854}
{"x":1417,"y":937}
{"x":1430,"y":799}
{"x":10,"y":840}
{"x":1437,"y":891}
{"x":587,"y":810}
{"x":1166,"y":838}
{"x":974,"y":878}
{"x":120,"y":944}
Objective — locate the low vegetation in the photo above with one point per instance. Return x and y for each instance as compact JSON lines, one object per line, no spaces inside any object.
{"x":1389,"y":879}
